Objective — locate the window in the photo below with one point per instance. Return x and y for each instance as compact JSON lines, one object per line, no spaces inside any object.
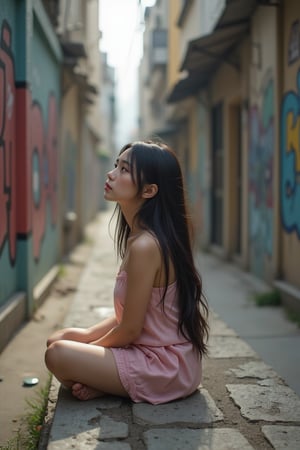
{"x":159,"y":38}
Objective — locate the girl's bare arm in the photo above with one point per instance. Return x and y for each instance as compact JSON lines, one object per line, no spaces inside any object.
{"x":143,"y":264}
{"x":85,"y":335}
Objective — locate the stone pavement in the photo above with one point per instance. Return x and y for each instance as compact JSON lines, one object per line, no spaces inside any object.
{"x":243,"y":404}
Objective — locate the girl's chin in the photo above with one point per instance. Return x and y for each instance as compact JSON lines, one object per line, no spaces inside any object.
{"x":107,"y":197}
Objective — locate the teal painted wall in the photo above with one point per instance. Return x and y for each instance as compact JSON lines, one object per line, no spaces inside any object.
{"x":29,"y":103}
{"x":45,"y":88}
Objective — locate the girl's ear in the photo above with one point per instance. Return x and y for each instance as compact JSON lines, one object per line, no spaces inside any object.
{"x":150,"y":190}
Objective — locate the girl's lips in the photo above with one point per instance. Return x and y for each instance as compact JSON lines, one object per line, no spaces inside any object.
{"x":107,"y":187}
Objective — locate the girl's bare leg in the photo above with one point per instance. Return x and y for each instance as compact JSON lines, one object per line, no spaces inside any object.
{"x":89,"y":370}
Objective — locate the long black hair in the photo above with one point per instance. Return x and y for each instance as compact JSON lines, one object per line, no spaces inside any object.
{"x":165,"y":216}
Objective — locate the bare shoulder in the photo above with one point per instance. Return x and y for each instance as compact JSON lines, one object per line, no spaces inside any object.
{"x":143,"y":261}
{"x":145,"y":245}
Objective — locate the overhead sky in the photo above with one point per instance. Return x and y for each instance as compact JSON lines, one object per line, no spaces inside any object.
{"x":121,"y":23}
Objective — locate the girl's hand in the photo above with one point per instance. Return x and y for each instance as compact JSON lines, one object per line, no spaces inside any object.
{"x":69,"y":334}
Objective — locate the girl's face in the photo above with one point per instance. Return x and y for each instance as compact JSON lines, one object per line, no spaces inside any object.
{"x":119,"y":186}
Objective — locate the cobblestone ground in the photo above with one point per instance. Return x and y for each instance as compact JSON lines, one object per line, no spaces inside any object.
{"x":243,"y":404}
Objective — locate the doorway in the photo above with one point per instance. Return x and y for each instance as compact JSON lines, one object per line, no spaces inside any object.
{"x":217,"y":191}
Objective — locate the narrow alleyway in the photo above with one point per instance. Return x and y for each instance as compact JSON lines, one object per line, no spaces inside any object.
{"x":239,"y":406}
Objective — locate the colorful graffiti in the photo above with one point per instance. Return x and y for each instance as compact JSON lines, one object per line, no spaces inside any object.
{"x":261,"y":176}
{"x":23,"y":206}
{"x":290,"y":160}
{"x":43,"y":169}
{"x":7,"y":143}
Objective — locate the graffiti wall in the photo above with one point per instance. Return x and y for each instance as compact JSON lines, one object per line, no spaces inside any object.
{"x":262,"y":143}
{"x":290,"y":147}
{"x":43,"y":156}
{"x":28,"y":154}
{"x":8,"y":210}
{"x":261,"y":163}
{"x":290,"y":160}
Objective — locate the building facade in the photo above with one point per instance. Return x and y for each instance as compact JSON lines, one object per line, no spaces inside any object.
{"x":152,"y":71}
{"x":51,"y":167}
{"x":232,"y":100}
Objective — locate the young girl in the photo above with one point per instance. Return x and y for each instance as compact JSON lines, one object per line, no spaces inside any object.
{"x":151,"y":349}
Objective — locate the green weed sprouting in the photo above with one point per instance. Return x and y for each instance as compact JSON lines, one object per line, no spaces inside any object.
{"x":28,"y":435}
{"x":271,"y":298}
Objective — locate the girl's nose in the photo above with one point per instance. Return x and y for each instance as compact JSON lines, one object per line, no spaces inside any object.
{"x":110,"y":174}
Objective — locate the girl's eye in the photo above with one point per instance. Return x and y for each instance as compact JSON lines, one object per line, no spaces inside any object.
{"x":122,"y":168}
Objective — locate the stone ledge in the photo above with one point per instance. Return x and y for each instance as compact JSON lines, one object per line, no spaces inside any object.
{"x":290,"y":295}
{"x":41,"y":290}
{"x":12,"y":315}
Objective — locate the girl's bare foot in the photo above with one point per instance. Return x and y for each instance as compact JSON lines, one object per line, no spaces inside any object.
{"x":83,"y":392}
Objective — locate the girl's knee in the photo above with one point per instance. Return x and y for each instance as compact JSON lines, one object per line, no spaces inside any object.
{"x":53,"y":354}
